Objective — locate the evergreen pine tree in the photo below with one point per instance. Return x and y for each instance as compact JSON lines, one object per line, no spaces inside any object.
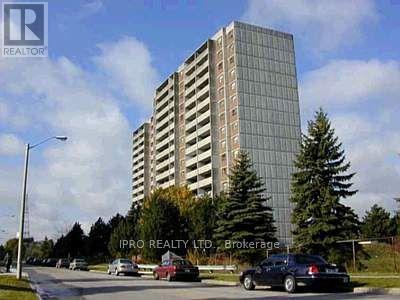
{"x":319,"y":183}
{"x":377,"y":223}
{"x":243,"y":214}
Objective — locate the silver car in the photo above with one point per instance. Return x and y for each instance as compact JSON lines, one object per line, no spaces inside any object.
{"x":123,"y":266}
{"x":78,"y":263}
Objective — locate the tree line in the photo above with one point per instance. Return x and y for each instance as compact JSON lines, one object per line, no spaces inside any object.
{"x":320,"y":182}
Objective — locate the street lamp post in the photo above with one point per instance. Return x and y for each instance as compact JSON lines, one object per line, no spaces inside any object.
{"x":23,"y":200}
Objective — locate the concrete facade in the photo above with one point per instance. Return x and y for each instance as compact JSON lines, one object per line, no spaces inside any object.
{"x":238,"y":90}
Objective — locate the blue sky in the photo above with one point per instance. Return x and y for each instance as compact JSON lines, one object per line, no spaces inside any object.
{"x":106,"y":57}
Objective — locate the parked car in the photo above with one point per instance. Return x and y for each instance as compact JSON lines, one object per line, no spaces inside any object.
{"x":123,"y":266}
{"x":78,"y":264}
{"x":176,"y":269}
{"x":51,"y":262}
{"x":62,"y":263}
{"x":293,"y":270}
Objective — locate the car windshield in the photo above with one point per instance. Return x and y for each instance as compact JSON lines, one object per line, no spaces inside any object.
{"x":309,"y":259}
{"x":125,"y":261}
{"x":182,"y":262}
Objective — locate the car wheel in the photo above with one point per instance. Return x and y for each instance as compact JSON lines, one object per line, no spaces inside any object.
{"x":169,"y":278}
{"x":290,"y":284}
{"x":155,"y":276}
{"x":248,"y":283}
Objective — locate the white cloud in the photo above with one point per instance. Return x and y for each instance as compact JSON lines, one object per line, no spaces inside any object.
{"x":10,"y":144}
{"x":322,"y":24}
{"x":344,"y":82}
{"x":128,"y":63}
{"x":361,"y":98}
{"x":89,"y":175}
{"x":91,"y":7}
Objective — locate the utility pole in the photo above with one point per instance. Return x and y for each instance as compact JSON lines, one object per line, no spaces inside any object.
{"x":22,"y":213}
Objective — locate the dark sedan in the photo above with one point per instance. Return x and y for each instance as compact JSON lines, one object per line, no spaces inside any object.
{"x":293,"y":270}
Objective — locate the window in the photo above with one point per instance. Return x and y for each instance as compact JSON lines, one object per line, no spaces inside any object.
{"x":219,"y":55}
{"x":232,"y":73}
{"x":233,"y":86}
{"x":236,"y":140}
{"x":221,"y":106}
{"x":219,"y":41}
{"x":220,"y":66}
{"x":231,"y":48}
{"x":222,"y":118}
{"x":234,"y":99}
{"x":234,"y":112}
{"x":223,"y":158}
{"x":224,"y":172}
{"x":223,"y":144}
{"x":235,"y":127}
{"x":221,"y":92}
{"x":235,"y":153}
{"x":222,"y":131}
{"x":221,"y":79}
{"x":230,"y":34}
{"x":231,"y":60}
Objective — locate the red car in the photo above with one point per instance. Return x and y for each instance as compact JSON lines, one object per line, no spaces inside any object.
{"x":176,"y":269}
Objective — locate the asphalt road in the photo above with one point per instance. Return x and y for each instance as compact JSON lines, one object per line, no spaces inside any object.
{"x":53,"y":283}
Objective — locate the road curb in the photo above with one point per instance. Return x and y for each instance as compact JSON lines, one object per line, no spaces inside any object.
{"x":34,"y":287}
{"x":373,"y":290}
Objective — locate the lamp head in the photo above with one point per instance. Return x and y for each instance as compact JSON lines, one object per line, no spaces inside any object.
{"x":61,"y":138}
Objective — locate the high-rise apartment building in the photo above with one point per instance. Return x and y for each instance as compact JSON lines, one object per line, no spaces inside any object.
{"x":238,"y":90}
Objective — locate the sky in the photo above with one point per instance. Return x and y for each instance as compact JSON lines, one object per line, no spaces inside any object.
{"x":107,"y":57}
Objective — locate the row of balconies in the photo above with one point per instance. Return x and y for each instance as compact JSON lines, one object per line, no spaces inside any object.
{"x":162,"y":155}
{"x":201,"y":184}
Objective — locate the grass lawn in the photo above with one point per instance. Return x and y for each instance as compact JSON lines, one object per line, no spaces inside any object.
{"x":11,"y":288}
{"x":376,"y":282}
{"x":379,"y":259}
{"x":99,"y":267}
{"x":220,"y":276}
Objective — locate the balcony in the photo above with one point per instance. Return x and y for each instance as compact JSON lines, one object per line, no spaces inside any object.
{"x":189,"y":89}
{"x":191,"y":161}
{"x":191,"y":150}
{"x":190,"y":113}
{"x":162,"y":154}
{"x":193,"y":186}
{"x":191,"y":175}
{"x":204,"y":103}
{"x":203,"y":66}
{"x":202,"y":55}
{"x":191,"y":137}
{"x":202,"y":79}
{"x":163,"y":175}
{"x":204,"y":169}
{"x":203,"y":91}
{"x":204,"y":117}
{"x":204,"y":182}
{"x":190,"y":125}
{"x":202,"y":130}
{"x":204,"y":155}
